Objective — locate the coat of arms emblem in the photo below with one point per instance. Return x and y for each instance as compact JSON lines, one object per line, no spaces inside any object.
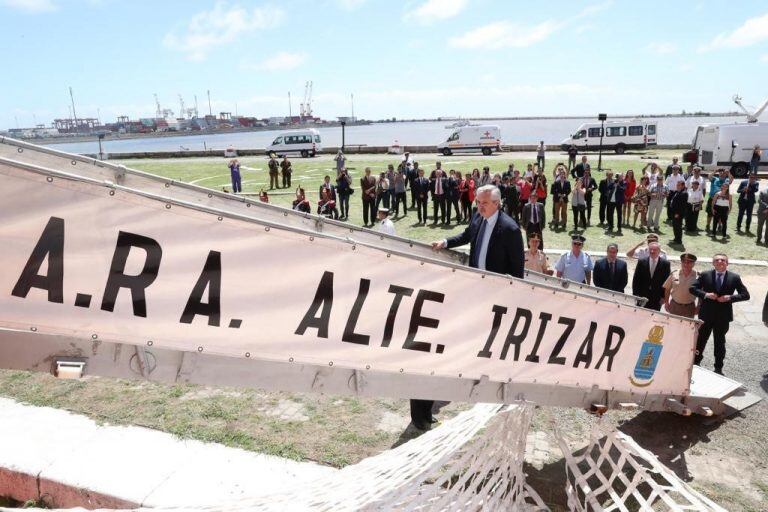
{"x":649,"y":356}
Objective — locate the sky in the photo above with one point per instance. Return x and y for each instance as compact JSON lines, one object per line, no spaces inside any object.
{"x":413,"y":59}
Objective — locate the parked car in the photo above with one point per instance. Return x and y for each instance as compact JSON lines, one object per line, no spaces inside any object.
{"x":305,"y":142}
{"x":619,"y":136}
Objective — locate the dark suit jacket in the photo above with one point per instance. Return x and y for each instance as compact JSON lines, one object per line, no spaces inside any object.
{"x":678,"y":203}
{"x":421,"y":187}
{"x":645,"y":286}
{"x":620,"y":188}
{"x":714,"y":312}
{"x":526,"y":218}
{"x":560,"y":190}
{"x":505,"y":254}
{"x":590,"y":185}
{"x":330,"y":186}
{"x":601,"y":275}
{"x":578,"y":170}
{"x":433,"y":186}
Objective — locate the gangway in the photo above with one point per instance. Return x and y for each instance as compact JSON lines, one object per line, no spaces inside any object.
{"x":108,"y":172}
{"x":502,"y":339}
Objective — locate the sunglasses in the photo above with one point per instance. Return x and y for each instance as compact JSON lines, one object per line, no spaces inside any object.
{"x":577,"y":243}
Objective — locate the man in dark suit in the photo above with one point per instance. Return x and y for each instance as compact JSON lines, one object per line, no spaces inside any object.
{"x":602,"y":189}
{"x":368,"y":195}
{"x":438,"y":186}
{"x":678,"y":205}
{"x":615,"y":193}
{"x":327,"y":185}
{"x":650,"y":275}
{"x":578,"y":170}
{"x":533,"y":218}
{"x":590,"y":185}
{"x":452,"y":197}
{"x":496,"y":245}
{"x":611,"y":272}
{"x":717,"y":289}
{"x":420,"y":189}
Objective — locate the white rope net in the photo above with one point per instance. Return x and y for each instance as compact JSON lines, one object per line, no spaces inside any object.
{"x":615,"y":474}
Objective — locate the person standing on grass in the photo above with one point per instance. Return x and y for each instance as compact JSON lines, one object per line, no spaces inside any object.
{"x":341,"y":162}
{"x":615,"y":202}
{"x":391,"y":173}
{"x":234,"y":174}
{"x":678,"y":298}
{"x":641,"y":199}
{"x":678,"y":205}
{"x":400,"y":198}
{"x":572,"y":152}
{"x":273,"y":167}
{"x":650,"y":275}
{"x":658,"y":193}
{"x":579,"y":205}
{"x":747,"y":191}
{"x":590,"y":185}
{"x":578,"y":170}
{"x":414,"y":170}
{"x":721,"y":206}
{"x":286,"y":171}
{"x":343,"y":190}
{"x":438,"y":186}
{"x":420,"y":190}
{"x":368,"y":197}
{"x":754,"y":162}
{"x":716,"y":181}
{"x":541,"y":151}
{"x":629,"y":193}
{"x":533,"y":218}
{"x":382,"y":192}
{"x":717,"y":289}
{"x":602,"y":189}
{"x":762,"y":217}
{"x":560,"y":190}
{"x":695,"y":203}
{"x":452,"y":196}
{"x":671,"y":169}
{"x":671,"y":183}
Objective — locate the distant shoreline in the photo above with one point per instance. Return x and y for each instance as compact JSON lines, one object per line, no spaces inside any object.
{"x":334,"y":124}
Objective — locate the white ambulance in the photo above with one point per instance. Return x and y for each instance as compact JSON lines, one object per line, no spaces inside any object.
{"x":728,"y":146}
{"x":483,"y":138}
{"x":619,"y":136}
{"x":305,"y":142}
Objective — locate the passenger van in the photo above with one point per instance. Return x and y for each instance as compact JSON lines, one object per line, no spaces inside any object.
{"x":619,"y":136}
{"x":483,"y":138}
{"x":728,"y":146}
{"x":304,"y":142}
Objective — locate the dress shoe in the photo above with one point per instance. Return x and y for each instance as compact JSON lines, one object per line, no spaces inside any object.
{"x":719,"y":372}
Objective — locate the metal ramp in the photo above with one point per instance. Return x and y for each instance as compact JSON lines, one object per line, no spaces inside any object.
{"x":38,"y":335}
{"x":719,"y":394}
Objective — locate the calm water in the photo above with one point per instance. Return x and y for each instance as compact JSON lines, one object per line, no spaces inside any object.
{"x":676,"y":130}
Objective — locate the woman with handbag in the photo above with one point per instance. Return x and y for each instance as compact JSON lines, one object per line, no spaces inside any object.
{"x":641,"y":199}
{"x":721,"y":206}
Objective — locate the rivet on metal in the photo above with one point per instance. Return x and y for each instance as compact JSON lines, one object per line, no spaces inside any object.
{"x":74,"y":162}
{"x":20,"y":150}
{"x":49,"y":179}
{"x":167,"y":206}
{"x":150,"y":343}
{"x":285,"y":214}
{"x":482,"y":276}
{"x":247,"y":205}
{"x":453,"y":270}
{"x":111,"y":192}
{"x":33,"y":329}
{"x":210,"y":195}
{"x":330,"y":363}
{"x":247,"y":354}
{"x":401,"y":370}
{"x":290,"y":359}
{"x":460,"y":375}
{"x":354,"y":247}
{"x":389,"y":255}
{"x":220,"y":217}
{"x":367,"y":367}
{"x":311,"y":239}
{"x":167,"y":185}
{"x":199,"y":349}
{"x":266,"y":228}
{"x":94,"y":336}
{"x":422,"y":263}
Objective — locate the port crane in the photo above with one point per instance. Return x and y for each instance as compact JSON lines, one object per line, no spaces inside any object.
{"x":305,"y":109}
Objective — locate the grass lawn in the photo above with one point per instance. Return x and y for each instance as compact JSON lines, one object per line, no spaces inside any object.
{"x":309,"y":173}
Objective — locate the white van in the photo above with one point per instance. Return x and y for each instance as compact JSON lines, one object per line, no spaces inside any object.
{"x":304,"y":142}
{"x":484,"y":138}
{"x":619,"y":136}
{"x":728,"y":146}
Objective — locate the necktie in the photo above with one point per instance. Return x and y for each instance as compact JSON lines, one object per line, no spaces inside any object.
{"x":653,"y":266}
{"x":719,"y":281}
{"x":613,"y":269}
{"x":535,"y":213}
{"x":479,"y":244}
{"x":439,"y":185}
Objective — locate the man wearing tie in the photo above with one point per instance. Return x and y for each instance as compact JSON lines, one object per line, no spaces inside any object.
{"x":650,"y":275}
{"x":717,"y":289}
{"x":438,"y":187}
{"x":611,"y":272}
{"x":533,"y":217}
{"x":496,"y":245}
{"x":420,"y":190}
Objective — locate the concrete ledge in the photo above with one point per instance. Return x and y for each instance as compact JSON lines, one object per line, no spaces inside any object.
{"x":70,"y":461}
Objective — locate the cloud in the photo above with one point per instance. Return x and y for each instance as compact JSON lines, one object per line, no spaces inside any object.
{"x":31,"y":6}
{"x":220,"y":26}
{"x":282,"y":61}
{"x":752,"y":31}
{"x":764,"y":58}
{"x":435,"y":10}
{"x":509,"y":34}
{"x":662,"y":48}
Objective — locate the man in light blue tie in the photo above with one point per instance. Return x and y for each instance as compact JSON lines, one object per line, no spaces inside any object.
{"x":496,"y":243}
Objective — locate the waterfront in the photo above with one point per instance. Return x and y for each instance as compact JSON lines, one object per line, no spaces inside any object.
{"x":672,"y":130}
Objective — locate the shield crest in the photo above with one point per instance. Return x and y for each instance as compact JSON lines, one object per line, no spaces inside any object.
{"x":648,"y":359}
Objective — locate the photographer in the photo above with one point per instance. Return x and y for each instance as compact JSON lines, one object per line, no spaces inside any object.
{"x":343,"y":191}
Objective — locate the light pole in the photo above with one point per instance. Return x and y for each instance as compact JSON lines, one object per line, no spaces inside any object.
{"x":343,"y":124}
{"x":101,"y":153}
{"x":601,"y":118}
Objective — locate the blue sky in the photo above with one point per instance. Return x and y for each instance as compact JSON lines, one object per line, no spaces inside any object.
{"x":420,"y":58}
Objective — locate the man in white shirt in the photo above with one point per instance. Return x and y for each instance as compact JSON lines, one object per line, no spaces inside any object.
{"x":671,"y":184}
{"x":696,"y":177}
{"x":385,"y":225}
{"x":639,"y":253}
{"x":695,"y":203}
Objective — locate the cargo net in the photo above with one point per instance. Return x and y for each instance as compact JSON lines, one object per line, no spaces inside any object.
{"x":472,"y":462}
{"x":615,"y":474}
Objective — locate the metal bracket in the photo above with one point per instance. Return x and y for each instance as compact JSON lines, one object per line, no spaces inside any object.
{"x":318,"y":383}
{"x":146,"y":362}
{"x":69,"y":367}
{"x":356,"y":381}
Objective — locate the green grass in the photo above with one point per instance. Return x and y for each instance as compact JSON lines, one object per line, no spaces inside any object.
{"x":309,"y":173}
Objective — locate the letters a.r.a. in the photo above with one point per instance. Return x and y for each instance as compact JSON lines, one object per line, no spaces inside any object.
{"x":50,"y":246}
